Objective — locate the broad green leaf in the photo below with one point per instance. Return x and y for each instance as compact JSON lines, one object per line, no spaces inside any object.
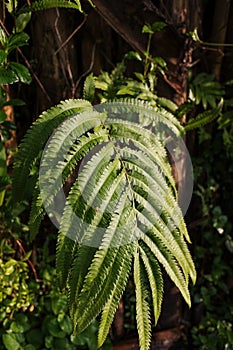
{"x":22,"y":21}
{"x":7,"y":76}
{"x":21,"y":72}
{"x":13,"y":102}
{"x":10,"y":342}
{"x":17,"y":40}
{"x":3,"y":56}
{"x":2,"y":116}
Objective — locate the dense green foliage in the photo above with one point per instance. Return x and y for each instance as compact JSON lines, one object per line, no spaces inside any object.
{"x":132,"y":223}
{"x":33,"y":311}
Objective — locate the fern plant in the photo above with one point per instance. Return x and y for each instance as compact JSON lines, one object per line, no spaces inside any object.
{"x":121,"y":212}
{"x":41,"y":5}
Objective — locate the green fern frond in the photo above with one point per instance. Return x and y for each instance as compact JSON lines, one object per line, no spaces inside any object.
{"x":48,"y":4}
{"x":114,"y":299}
{"x":166,"y":240}
{"x":154,"y":277}
{"x":80,"y":265}
{"x":143,"y":316}
{"x":100,"y":279}
{"x":204,"y":118}
{"x":170,"y":264}
{"x":35,"y":139}
{"x":54,"y":164}
{"x":122,"y":204}
{"x":37,"y":213}
{"x":166,"y":103}
{"x":89,"y":88}
{"x":92,"y":301}
{"x":65,"y":253}
{"x":143,"y":108}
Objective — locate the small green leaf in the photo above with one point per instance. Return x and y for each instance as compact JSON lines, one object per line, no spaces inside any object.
{"x":3,"y":168}
{"x":17,"y":40}
{"x":133,"y":55}
{"x":160,"y":61}
{"x":140,"y":76}
{"x":10,"y":342}
{"x":152,"y":28}
{"x":59,"y":303}
{"x":158,"y":26}
{"x":66,"y":325}
{"x":30,"y":347}
{"x":2,"y":196}
{"x":2,"y":116}
{"x":168,"y":104}
{"x":89,"y":88}
{"x":79,"y":7}
{"x":14,"y":102}
{"x":147,"y":29}
{"x":54,"y":329}
{"x":3,"y":56}
{"x":27,"y":256}
{"x":17,"y":327}
{"x":3,"y":37}
{"x":22,"y":21}
{"x":11,"y":6}
{"x":34,"y":337}
{"x":204,"y":118}
{"x":7,"y":76}
{"x":21,"y":72}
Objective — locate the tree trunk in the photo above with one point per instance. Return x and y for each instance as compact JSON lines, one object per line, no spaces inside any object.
{"x":219,"y":31}
{"x":55,"y":54}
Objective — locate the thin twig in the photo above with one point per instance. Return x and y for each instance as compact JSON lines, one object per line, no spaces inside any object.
{"x":87,"y":71}
{"x":63,"y":57}
{"x":70,"y":36}
{"x":29,"y":261}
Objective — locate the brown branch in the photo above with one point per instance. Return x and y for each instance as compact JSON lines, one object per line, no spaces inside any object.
{"x":28,"y":261}
{"x":64,"y":56}
{"x":71,"y":35}
{"x":119,"y":23}
{"x":87,"y":71}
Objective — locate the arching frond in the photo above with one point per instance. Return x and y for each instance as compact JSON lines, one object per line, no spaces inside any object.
{"x":155,"y":278}
{"x":48,"y":4}
{"x":143,"y":316}
{"x":66,"y":249}
{"x":37,"y":212}
{"x":114,"y":298}
{"x":121,"y":211}
{"x":35,"y":139}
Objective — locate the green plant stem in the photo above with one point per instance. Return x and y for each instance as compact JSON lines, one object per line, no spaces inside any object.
{"x":147,"y":55}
